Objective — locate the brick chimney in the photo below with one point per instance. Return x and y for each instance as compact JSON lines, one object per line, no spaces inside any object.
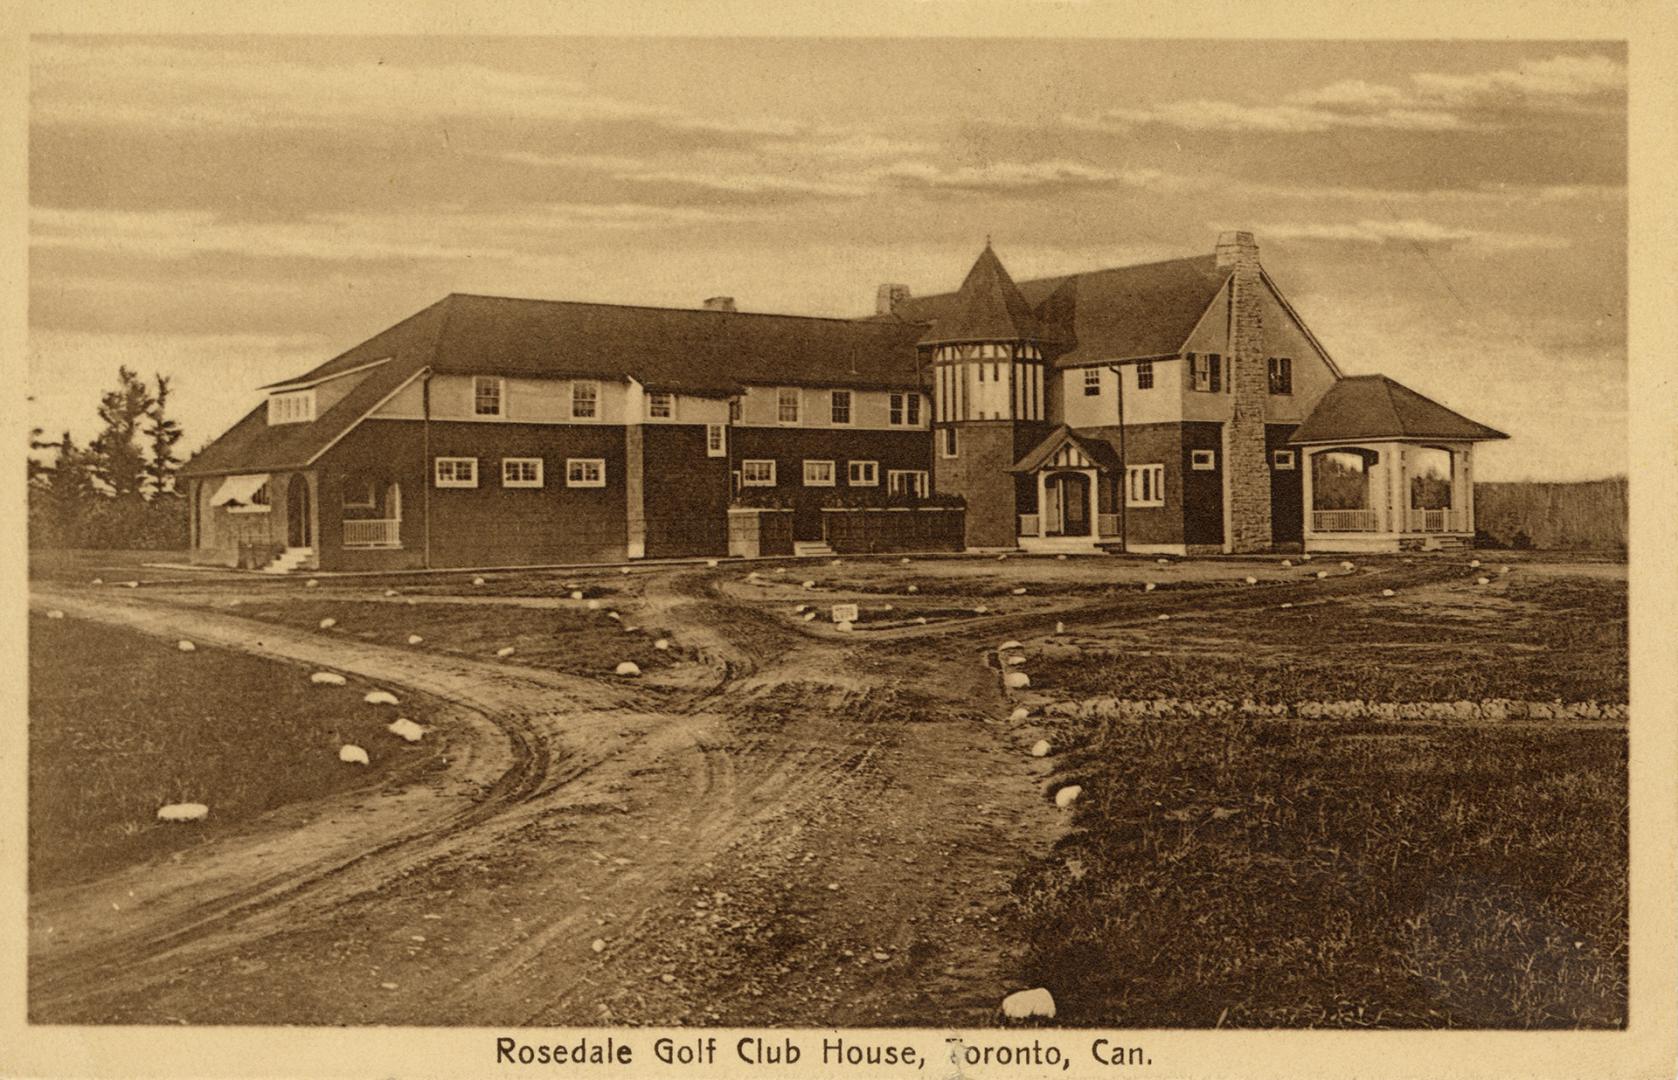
{"x":889,"y":297}
{"x":720,"y":303}
{"x":1246,"y":460}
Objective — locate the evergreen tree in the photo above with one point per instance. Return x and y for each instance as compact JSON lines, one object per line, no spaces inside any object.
{"x":120,"y":463}
{"x":162,"y":433}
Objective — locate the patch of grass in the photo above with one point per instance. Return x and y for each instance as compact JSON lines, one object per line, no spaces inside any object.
{"x":563,"y":639}
{"x":121,"y":723}
{"x":1279,"y":874}
{"x":1558,"y":637}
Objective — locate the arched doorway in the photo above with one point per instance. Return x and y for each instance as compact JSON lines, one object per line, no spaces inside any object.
{"x":299,"y":529}
{"x":1066,"y":504}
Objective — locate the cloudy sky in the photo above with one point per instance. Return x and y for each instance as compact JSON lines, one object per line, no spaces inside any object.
{"x":232,"y":210}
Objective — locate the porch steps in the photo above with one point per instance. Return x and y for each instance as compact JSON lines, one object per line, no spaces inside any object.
{"x":811,"y":547}
{"x":289,"y":560}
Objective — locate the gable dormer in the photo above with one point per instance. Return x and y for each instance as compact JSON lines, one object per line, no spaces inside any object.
{"x":291,"y":407}
{"x":300,"y":401}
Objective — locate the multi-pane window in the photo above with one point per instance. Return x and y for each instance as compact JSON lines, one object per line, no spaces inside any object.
{"x":913,"y":407}
{"x":757,"y":473}
{"x":818,"y":473}
{"x":906,"y":482}
{"x":487,"y":396}
{"x":735,"y":410}
{"x":906,"y":410}
{"x":456,"y":472}
{"x":786,"y":405}
{"x":585,"y":400}
{"x":292,"y":407}
{"x":1281,"y":375}
{"x":841,"y":406}
{"x":863,"y":473}
{"x":1283,"y":460}
{"x":716,"y":440}
{"x":1092,"y":382}
{"x":661,"y":406}
{"x":1145,"y":375}
{"x":585,"y":472}
{"x":1145,"y":485}
{"x":521,"y":472}
{"x":1208,"y":373}
{"x":949,"y":443}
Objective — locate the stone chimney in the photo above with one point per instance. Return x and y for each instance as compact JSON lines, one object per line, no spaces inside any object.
{"x":720,"y":303}
{"x":1246,"y":455}
{"x":889,"y":297}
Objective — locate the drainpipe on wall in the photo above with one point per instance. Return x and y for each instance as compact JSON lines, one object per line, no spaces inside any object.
{"x":1124,"y":461}
{"x":425,"y":463}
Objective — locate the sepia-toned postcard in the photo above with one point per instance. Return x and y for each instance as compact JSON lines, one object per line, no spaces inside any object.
{"x":925,"y":540}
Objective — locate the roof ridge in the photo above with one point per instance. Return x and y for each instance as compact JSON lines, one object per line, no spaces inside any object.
{"x":847,"y":320}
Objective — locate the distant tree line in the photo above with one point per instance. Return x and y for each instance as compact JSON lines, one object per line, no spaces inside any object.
{"x":1590,"y":515}
{"x":118,"y":491}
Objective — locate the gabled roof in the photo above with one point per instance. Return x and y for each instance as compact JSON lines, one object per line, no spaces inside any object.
{"x":1100,"y":453}
{"x":1361,"y":407}
{"x":987,"y":307}
{"x":687,"y":351}
{"x":1126,"y":313}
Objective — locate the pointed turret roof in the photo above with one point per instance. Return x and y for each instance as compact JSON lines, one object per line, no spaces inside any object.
{"x":988,"y":307}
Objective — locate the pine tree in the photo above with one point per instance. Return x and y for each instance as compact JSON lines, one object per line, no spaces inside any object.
{"x":120,"y":463}
{"x":162,"y":433}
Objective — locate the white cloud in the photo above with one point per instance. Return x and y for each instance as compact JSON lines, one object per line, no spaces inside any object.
{"x":1408,"y":231}
{"x":1431,"y":101}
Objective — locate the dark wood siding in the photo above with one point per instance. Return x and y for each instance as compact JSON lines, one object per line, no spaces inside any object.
{"x":684,"y":492}
{"x":789,"y":447}
{"x":1287,"y":490}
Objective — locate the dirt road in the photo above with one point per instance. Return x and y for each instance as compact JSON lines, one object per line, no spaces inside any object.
{"x":811,"y":832}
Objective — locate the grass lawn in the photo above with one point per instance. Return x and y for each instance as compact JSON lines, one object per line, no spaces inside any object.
{"x":121,"y":723}
{"x":572,"y":640}
{"x":1526,"y":638}
{"x":1285,"y":873}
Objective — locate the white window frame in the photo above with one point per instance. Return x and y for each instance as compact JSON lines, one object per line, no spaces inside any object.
{"x":536,"y":482}
{"x":781,"y":401}
{"x":1144,"y":371}
{"x":455,"y":479}
{"x":1092,"y":382}
{"x":948,"y":443}
{"x":916,"y":483}
{"x":1203,"y":460}
{"x":1275,"y":365}
{"x":749,"y":465}
{"x":1284,"y":460}
{"x":593,"y":388}
{"x":736,"y":410}
{"x":372,"y":500}
{"x":832,"y":472}
{"x":834,"y":397}
{"x":1145,"y":485}
{"x":716,"y":440}
{"x":291,"y":407}
{"x":577,"y":472}
{"x":667,"y":399}
{"x":897,"y":414}
{"x":869,"y":473}
{"x":500,"y":412}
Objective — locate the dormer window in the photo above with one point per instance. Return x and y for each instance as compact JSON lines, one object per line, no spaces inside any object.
{"x":489,"y":397}
{"x":291,"y":407}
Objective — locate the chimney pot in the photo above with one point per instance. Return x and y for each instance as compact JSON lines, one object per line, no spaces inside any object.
{"x":889,"y":297}
{"x":1237,"y":249}
{"x":720,"y":303}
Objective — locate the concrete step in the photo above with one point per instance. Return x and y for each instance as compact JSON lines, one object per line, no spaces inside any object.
{"x":811,"y":547}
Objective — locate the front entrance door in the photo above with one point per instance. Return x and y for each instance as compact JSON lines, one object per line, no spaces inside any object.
{"x":299,"y":530}
{"x":1068,"y":497}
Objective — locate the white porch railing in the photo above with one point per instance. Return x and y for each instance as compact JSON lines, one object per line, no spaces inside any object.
{"x":1445,"y":520}
{"x":373,"y":533}
{"x":1029,"y":525}
{"x":1332,"y":521}
{"x":1107,"y":524}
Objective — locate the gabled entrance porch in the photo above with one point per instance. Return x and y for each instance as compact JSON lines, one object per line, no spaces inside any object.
{"x":1070,"y":475}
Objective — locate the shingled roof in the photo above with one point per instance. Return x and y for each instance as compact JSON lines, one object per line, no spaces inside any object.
{"x":1361,"y":407}
{"x":987,"y":307}
{"x":1125,"y":313}
{"x":681,"y":350}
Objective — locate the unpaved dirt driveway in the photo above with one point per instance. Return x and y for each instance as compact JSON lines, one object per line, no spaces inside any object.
{"x":802,"y":837}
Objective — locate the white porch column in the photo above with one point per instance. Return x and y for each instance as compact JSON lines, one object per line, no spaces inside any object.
{"x":1302,"y":461}
{"x":1467,"y":487}
{"x":1042,"y":506}
{"x":1095,"y":503}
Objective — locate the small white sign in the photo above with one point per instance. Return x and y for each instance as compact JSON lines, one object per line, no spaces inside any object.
{"x":844,"y":613}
